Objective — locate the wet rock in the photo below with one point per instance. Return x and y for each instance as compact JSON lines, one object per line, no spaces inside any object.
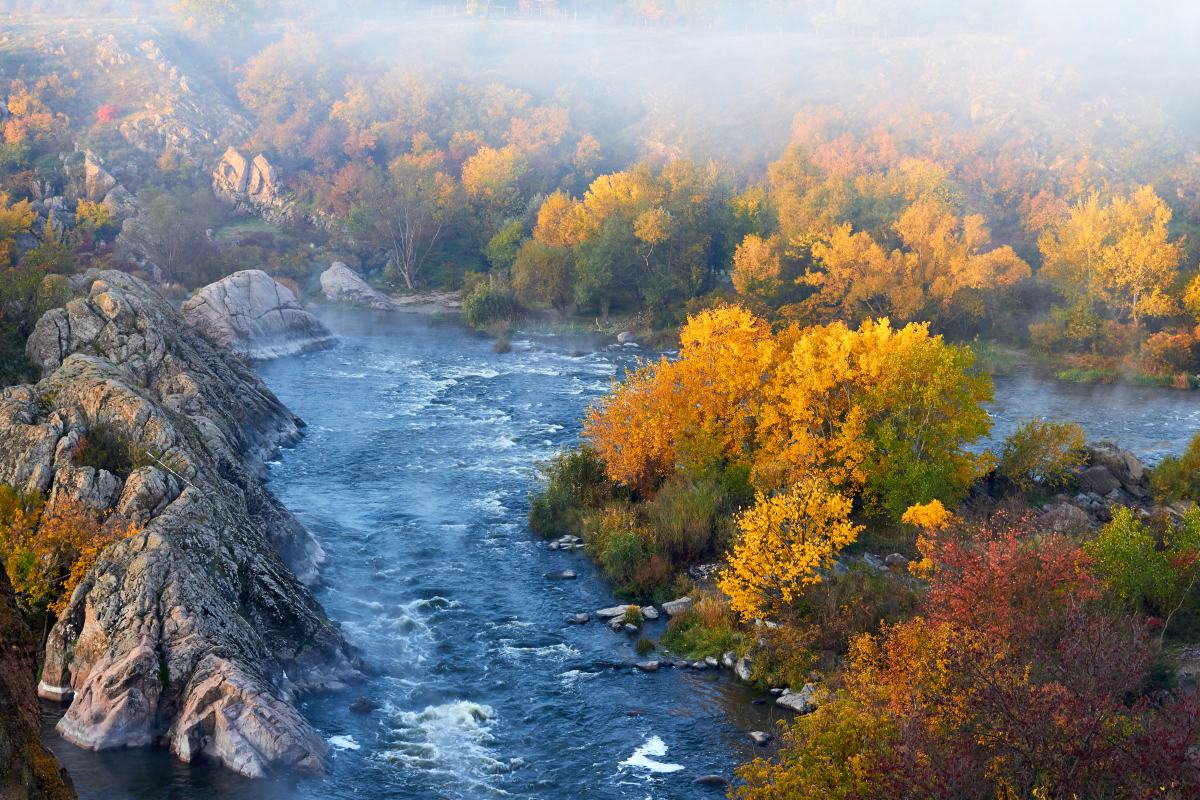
{"x":251,"y":314}
{"x":339,"y":282}
{"x":710,"y":780}
{"x":711,"y":661}
{"x":744,"y":668}
{"x":760,"y":738}
{"x":578,"y":619}
{"x":552,"y":546}
{"x":631,"y":629}
{"x":633,"y":713}
{"x":561,"y":575}
{"x":362,"y":706}
{"x":700,"y":665}
{"x":802,"y":702}
{"x":758,"y":701}
{"x":650,"y":612}
{"x":648,"y":666}
{"x":676,"y":607}
{"x":612,"y":611}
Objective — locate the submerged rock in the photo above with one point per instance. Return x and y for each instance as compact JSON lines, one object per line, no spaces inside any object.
{"x":760,"y":738}
{"x":197,"y":632}
{"x":252,"y":315}
{"x":710,"y":780}
{"x":561,"y":575}
{"x":339,"y":282}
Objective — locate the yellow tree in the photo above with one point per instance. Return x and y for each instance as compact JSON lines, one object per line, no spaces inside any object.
{"x":1118,"y":256}
{"x":756,"y":267}
{"x":490,"y":177}
{"x":784,"y":539}
{"x":693,"y":413}
{"x":1141,"y":265}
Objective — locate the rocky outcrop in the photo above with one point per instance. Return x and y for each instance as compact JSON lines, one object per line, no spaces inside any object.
{"x":27,"y":769}
{"x":240,"y":181}
{"x":1114,"y":468}
{"x":251,"y":314}
{"x":194,"y":632}
{"x":97,"y":181}
{"x":339,"y":282}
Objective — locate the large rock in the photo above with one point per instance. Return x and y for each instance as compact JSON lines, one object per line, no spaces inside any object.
{"x":802,"y":702}
{"x":1066,"y":518}
{"x":194,"y":632}
{"x":1098,"y":479}
{"x":97,"y":181}
{"x":237,"y":179}
{"x":1123,"y":465}
{"x":339,"y":282}
{"x":251,"y":314}
{"x":27,"y":769}
{"x":677,"y":607}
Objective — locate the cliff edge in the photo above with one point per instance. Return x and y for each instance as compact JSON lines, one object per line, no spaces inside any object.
{"x":195,"y":633}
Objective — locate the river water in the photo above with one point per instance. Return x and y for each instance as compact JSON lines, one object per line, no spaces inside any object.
{"x":414,"y":474}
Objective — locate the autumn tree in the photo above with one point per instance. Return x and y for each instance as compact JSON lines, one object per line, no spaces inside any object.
{"x":544,"y":274}
{"x":756,"y":267}
{"x":407,"y":210}
{"x":784,"y":540}
{"x":1115,"y":259}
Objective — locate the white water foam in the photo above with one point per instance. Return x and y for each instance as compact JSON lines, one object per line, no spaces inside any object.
{"x":653,"y":746}
{"x":452,"y":739}
{"x":344,"y":743}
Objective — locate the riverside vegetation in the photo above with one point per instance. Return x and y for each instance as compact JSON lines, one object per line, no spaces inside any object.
{"x":1002,"y":653}
{"x":820,"y":262}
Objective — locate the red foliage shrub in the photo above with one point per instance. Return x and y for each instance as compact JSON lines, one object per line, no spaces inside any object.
{"x":108,"y":113}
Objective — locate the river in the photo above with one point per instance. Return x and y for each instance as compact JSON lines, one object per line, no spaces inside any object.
{"x":414,"y":474}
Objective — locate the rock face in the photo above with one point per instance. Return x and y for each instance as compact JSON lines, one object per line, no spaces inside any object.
{"x":339,"y":282}
{"x":27,"y":769}
{"x":97,"y":181}
{"x":251,"y":314}
{"x":237,"y":180}
{"x":193,"y":633}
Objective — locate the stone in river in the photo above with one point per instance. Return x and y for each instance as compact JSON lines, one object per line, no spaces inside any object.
{"x":802,"y":702}
{"x":712,"y":662}
{"x":700,"y":665}
{"x":578,"y":619}
{"x":612,"y":611}
{"x":760,"y":738}
{"x":648,"y":666}
{"x":561,"y":575}
{"x":710,"y":780}
{"x":758,"y":702}
{"x":650,"y":612}
{"x":552,"y":546}
{"x":251,"y":314}
{"x":632,"y":630}
{"x":362,"y":706}
{"x":744,"y":668}
{"x":729,"y":659}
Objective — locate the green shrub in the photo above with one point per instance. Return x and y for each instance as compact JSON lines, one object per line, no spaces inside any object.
{"x":502,"y":346}
{"x":644,"y":646}
{"x":624,"y":553}
{"x":707,"y":630}
{"x":1041,"y":452}
{"x":1178,"y":477}
{"x":490,"y":303}
{"x":573,"y":482}
{"x":102,"y":447}
{"x":684,"y":517}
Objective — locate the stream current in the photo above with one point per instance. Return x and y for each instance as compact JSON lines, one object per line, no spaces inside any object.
{"x":414,"y":474}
